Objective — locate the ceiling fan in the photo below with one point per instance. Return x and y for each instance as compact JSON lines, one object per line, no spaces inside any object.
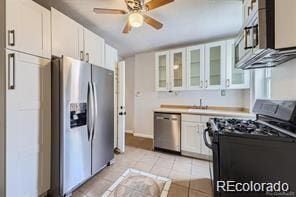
{"x":137,"y":13}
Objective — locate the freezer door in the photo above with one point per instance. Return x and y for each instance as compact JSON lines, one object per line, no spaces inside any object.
{"x":103,"y":135}
{"x":76,"y":144}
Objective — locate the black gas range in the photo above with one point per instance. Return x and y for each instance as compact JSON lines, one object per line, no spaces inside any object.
{"x":255,"y":153}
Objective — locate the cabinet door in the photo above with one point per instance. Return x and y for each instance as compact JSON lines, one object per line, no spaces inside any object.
{"x":177,"y":69}
{"x":110,"y":57}
{"x":28,"y":125}
{"x":94,"y":48}
{"x":65,"y":35}
{"x":190,"y":137}
{"x":162,"y":71}
{"x":235,"y":78}
{"x":46,"y":28}
{"x":25,"y":25}
{"x":195,"y":67}
{"x":215,"y":65}
{"x":81,"y":49}
{"x":204,"y":149}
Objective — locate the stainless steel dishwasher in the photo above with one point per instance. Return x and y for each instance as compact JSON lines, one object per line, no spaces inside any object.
{"x":167,"y":131}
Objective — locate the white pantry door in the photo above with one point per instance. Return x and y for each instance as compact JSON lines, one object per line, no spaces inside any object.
{"x":27,"y":125}
{"x":121,"y":113}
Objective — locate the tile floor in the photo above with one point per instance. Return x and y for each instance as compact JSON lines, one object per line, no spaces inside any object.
{"x":190,"y":177}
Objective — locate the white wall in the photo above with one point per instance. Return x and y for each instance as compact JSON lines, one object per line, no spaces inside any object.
{"x":130,"y":92}
{"x":146,"y":98}
{"x":283,"y":81}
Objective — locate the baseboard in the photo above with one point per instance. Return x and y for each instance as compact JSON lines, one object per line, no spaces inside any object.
{"x":143,"y":135}
{"x":129,"y":131}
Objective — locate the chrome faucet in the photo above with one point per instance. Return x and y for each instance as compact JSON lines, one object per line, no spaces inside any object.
{"x":201,"y":106}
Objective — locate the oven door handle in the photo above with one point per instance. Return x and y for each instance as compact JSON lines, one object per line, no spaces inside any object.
{"x":210,"y":146}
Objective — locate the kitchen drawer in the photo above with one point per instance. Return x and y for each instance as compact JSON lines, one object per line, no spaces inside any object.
{"x":191,"y":118}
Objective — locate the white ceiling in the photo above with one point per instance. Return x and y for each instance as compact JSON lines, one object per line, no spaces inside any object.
{"x":185,"y":22}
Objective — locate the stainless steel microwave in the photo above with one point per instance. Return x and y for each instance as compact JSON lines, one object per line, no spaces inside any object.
{"x":268,"y":37}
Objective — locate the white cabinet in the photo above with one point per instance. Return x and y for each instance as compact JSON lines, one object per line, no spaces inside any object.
{"x":111,"y":57}
{"x":206,"y":66}
{"x":235,"y":78}
{"x":215,"y":61}
{"x":177,"y":69}
{"x":94,"y":47}
{"x":28,"y":125}
{"x":191,"y":137}
{"x":195,"y":67}
{"x":170,"y":70}
{"x":67,"y":36}
{"x":28,"y":28}
{"x":192,"y":141}
{"x":162,"y":71}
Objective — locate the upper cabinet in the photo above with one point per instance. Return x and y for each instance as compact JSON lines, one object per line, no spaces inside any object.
{"x":206,"y":66}
{"x":170,"y":70}
{"x":28,"y":28}
{"x":195,"y":67}
{"x":177,"y":69}
{"x":111,"y":57}
{"x":94,"y":48}
{"x":71,"y":39}
{"x":215,"y":59}
{"x":67,"y":36}
{"x":162,"y":62}
{"x":235,"y":78}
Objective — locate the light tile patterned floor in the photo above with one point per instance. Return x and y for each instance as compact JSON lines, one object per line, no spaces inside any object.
{"x":190,"y":177}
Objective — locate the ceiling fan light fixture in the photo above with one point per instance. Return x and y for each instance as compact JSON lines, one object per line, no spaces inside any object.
{"x":135,"y":19}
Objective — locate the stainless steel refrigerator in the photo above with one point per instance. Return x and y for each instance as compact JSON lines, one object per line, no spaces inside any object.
{"x":83,"y":123}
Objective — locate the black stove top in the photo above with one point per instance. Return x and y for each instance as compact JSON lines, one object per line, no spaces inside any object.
{"x":240,"y":126}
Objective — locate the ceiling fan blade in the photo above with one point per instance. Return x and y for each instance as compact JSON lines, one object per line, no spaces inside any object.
{"x":127,"y":28}
{"x":153,"y":4}
{"x":109,"y":11}
{"x":152,"y":22}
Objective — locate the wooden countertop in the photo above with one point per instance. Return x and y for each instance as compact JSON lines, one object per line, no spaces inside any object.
{"x":211,"y":111}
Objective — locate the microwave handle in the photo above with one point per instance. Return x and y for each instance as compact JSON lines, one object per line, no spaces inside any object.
{"x":246,"y":31}
{"x":255,"y":32}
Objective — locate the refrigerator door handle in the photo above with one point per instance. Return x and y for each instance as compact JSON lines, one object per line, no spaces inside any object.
{"x":95,"y":104}
{"x":89,"y":111}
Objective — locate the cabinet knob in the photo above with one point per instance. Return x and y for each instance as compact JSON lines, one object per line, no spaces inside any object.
{"x":87,"y":57}
{"x":228,"y":83}
{"x":11,"y":34}
{"x":81,"y":55}
{"x":206,"y":84}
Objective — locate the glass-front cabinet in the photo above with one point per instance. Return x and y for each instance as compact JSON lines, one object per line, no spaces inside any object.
{"x":162,"y":62}
{"x":200,"y":67}
{"x":215,"y":61}
{"x":235,"y":78}
{"x":195,"y":67}
{"x":177,"y":69}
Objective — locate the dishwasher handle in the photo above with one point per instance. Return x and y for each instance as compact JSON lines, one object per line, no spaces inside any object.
{"x":165,"y":118}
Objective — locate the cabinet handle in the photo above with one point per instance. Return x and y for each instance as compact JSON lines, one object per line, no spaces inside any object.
{"x":206,"y":84}
{"x":87,"y":57}
{"x":228,"y":83}
{"x":201,"y":84}
{"x":81,"y":55}
{"x":249,"y":10}
{"x":11,"y":33}
{"x":11,"y":71}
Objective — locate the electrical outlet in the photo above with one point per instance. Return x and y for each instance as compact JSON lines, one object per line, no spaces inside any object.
{"x":223,"y":92}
